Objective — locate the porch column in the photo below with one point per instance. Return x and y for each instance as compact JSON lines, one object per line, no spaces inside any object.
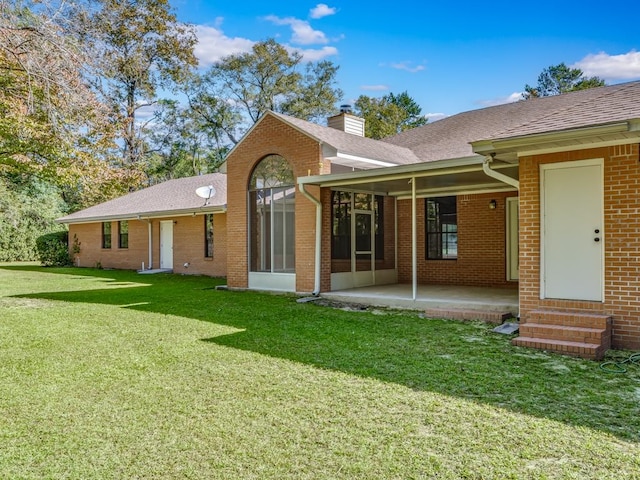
{"x":414,"y":240}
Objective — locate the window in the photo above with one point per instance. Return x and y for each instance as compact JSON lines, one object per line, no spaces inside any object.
{"x":272,"y":216}
{"x":441,"y":228}
{"x":341,"y":225}
{"x":106,"y":234}
{"x":208,"y":235}
{"x":123,"y":234}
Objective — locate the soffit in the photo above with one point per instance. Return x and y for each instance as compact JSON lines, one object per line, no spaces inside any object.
{"x":452,"y":177}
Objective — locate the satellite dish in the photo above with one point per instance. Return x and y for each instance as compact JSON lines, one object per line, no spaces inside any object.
{"x":206,"y":193}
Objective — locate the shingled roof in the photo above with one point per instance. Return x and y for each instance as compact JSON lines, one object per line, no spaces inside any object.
{"x":447,"y":139}
{"x":347,"y":143}
{"x":173,"y":197}
{"x":587,"y":108}
{"x":451,"y":137}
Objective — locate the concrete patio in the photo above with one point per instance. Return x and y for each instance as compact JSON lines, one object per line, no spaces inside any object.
{"x":433,"y":297}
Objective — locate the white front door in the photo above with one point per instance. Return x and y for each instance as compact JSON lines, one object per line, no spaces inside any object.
{"x":572,"y":230}
{"x":166,"y":244}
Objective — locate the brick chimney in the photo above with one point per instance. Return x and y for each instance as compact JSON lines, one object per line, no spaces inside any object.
{"x":345,"y":121}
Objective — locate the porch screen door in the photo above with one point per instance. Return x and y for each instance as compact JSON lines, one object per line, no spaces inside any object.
{"x":362,"y":259}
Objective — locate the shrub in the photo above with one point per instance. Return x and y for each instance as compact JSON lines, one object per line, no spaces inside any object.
{"x":53,"y":249}
{"x":28,"y":208}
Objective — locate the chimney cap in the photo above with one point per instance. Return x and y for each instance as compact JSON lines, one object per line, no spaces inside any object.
{"x":346,"y":108}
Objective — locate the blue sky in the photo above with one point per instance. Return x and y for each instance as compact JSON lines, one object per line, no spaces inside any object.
{"x":449,"y":56}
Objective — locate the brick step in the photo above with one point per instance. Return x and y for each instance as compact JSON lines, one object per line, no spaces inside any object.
{"x":468,"y":314}
{"x":562,"y":332}
{"x":569,"y":319}
{"x":576,"y":349}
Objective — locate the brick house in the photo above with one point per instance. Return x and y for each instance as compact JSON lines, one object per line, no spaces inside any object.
{"x":163,"y":227}
{"x":541,"y":196}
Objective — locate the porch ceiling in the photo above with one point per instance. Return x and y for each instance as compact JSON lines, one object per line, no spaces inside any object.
{"x":445,"y":178}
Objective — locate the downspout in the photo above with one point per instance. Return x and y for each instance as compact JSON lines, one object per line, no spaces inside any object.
{"x":316,"y":287}
{"x":501,"y":177}
{"x":150,"y":229}
{"x":486,"y":167}
{"x":150,"y":247}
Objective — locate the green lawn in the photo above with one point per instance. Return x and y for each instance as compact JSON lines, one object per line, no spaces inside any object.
{"x":107,"y":374}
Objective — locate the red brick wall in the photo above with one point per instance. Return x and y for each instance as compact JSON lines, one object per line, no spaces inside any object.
{"x":325,"y":282}
{"x":622,"y":241}
{"x":188,"y":245}
{"x":92,"y":254}
{"x":481,"y":244}
{"x":272,"y":136}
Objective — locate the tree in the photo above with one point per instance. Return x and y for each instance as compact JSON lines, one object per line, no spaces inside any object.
{"x":240,"y":88}
{"x":389,"y":115}
{"x":53,"y":127}
{"x":50,"y":120}
{"x":141,"y":47}
{"x":29,"y":207}
{"x":558,"y":79}
{"x":180,"y":144}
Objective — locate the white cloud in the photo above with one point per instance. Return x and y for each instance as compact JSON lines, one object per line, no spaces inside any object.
{"x":406,"y":66}
{"x":322,"y":10}
{"x":303,"y":33}
{"x":611,"y":67}
{"x":315,"y":54}
{"x":145,"y":114}
{"x":375,"y":88}
{"x":514,"y":97}
{"x":213,"y":44}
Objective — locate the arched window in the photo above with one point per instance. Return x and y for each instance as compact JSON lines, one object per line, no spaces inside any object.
{"x":272,"y":216}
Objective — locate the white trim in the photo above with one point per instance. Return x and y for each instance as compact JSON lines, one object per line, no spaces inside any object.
{"x":582,"y":146}
{"x":145,"y":215}
{"x":425,"y":169}
{"x":513,"y":203}
{"x":414,"y":241}
{"x":165,"y":260}
{"x":277,"y":282}
{"x":370,"y":161}
{"x":569,"y":135}
{"x":451,"y":191}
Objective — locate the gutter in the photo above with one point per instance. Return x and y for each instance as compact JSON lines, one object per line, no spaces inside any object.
{"x":186,"y":212}
{"x":501,"y":177}
{"x":316,"y":286}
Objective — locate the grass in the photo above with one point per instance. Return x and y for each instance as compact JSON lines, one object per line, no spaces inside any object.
{"x":108,"y":374}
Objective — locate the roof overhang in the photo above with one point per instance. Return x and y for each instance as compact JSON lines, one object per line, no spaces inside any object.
{"x":350,"y":160}
{"x":444,"y":177}
{"x":510,"y":148}
{"x":185,"y":212}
